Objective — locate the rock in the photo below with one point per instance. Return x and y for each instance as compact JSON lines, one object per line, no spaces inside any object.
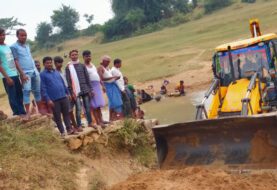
{"x":95,"y":136}
{"x":87,"y":140}
{"x":74,"y":143}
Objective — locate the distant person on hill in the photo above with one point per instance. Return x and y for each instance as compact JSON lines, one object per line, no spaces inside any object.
{"x":112,"y":90}
{"x":181,"y":88}
{"x":131,"y":94}
{"x":31,"y":79}
{"x":127,"y":111}
{"x":79,"y":87}
{"x":9,"y":73}
{"x":58,"y":61}
{"x":55,"y":93}
{"x":37,"y":64}
{"x":97,"y":101}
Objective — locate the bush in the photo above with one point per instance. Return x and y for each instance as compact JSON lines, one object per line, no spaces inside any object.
{"x":211,"y":5}
{"x":248,"y":1}
{"x":136,"y":139}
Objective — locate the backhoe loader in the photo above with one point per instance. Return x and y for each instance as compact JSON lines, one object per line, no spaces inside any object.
{"x":239,"y":127}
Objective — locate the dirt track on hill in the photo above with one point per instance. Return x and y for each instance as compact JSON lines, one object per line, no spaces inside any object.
{"x":198,"y":178}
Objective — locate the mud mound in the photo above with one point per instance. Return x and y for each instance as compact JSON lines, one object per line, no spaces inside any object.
{"x":197,"y":178}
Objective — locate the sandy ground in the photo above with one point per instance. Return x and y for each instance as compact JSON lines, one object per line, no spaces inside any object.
{"x":194,"y":80}
{"x":198,"y":178}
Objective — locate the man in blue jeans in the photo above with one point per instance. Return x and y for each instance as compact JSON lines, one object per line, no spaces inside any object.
{"x":8,"y":71}
{"x":22,"y":56}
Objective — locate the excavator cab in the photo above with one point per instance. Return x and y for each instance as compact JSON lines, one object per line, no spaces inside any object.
{"x":239,"y":128}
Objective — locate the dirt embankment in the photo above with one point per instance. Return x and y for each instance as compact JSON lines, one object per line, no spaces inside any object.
{"x":198,"y":178}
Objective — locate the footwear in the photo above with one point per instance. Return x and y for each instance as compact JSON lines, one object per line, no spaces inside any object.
{"x":103,"y":125}
{"x":93,"y":126}
{"x":63,"y":135}
{"x":106,"y":122}
{"x":79,"y":129}
{"x":71,"y":132}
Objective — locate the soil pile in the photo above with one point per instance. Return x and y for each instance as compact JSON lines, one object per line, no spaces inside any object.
{"x":197,"y":178}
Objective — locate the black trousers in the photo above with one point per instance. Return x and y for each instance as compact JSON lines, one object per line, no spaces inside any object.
{"x":61,"y":107}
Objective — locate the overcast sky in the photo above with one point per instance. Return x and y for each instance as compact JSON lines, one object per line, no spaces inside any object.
{"x":32,"y":12}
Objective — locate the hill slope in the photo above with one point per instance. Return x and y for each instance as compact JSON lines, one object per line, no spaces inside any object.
{"x":169,"y":51}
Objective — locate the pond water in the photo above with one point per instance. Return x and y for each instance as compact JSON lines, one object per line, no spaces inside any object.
{"x":173,"y":109}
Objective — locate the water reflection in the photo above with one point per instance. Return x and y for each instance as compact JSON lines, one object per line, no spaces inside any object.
{"x":174,"y":110}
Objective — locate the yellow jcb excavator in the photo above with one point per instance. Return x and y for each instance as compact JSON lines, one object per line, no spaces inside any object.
{"x":239,"y":129}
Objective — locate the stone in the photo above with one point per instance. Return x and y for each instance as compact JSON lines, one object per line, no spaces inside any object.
{"x":95,"y":136}
{"x":87,"y":140}
{"x":74,"y":143}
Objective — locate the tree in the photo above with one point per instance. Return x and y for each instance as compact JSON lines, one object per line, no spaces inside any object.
{"x":211,"y":5}
{"x":44,"y":31}
{"x":10,"y":24}
{"x":88,"y":18}
{"x":66,"y":19}
{"x":194,"y":3}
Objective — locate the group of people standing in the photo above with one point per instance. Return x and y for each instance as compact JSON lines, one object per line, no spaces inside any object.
{"x":80,"y":86}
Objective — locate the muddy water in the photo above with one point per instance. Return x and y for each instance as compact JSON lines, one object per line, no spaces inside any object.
{"x":173,"y":109}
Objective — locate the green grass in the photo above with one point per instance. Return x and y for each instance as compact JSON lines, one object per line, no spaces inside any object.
{"x":35,"y":159}
{"x":154,"y":56}
{"x":137,"y":140}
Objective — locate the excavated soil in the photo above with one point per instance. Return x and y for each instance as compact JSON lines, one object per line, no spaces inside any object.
{"x":199,"y":178}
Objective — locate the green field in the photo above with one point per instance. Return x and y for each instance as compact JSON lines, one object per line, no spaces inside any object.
{"x":168,"y":51}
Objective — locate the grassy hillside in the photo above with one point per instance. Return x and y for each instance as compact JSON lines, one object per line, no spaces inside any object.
{"x":166,"y":52}
{"x":169,"y":51}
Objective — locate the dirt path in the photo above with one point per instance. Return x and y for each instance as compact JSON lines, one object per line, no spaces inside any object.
{"x":83,"y":179}
{"x":197,"y":178}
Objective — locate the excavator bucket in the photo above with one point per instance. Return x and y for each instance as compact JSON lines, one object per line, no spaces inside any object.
{"x":244,"y":142}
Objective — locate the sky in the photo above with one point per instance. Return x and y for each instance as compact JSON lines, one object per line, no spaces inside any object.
{"x":32,"y":12}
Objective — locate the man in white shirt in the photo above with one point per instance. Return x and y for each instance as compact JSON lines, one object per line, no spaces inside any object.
{"x":117,"y":73}
{"x":127,"y":112}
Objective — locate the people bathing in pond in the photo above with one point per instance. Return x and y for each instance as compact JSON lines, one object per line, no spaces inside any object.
{"x":181,"y":88}
{"x":112,"y":90}
{"x":55,"y":93}
{"x":97,"y":100}
{"x":79,"y":87}
{"x":163,"y":90}
{"x":145,"y":97}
